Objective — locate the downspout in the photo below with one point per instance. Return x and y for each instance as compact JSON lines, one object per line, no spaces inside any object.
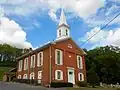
{"x":50,"y":65}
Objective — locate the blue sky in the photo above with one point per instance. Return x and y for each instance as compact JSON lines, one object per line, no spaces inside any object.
{"x":31,"y":23}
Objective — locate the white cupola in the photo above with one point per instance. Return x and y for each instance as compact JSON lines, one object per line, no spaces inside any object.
{"x":63,"y":28}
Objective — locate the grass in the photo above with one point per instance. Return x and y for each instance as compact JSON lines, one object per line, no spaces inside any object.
{"x":2,"y":70}
{"x":86,"y":88}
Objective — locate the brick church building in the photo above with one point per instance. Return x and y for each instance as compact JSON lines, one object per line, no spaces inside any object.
{"x":61,"y":60}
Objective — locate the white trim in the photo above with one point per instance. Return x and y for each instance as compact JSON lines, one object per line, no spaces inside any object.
{"x":39,"y":74}
{"x":25,"y":63}
{"x":61,"y":75}
{"x":79,"y":62}
{"x":40,"y":59}
{"x":20,"y":65}
{"x":70,"y":68}
{"x":32,"y":64}
{"x":25,"y":76}
{"x":73,"y":75}
{"x":82,"y":76}
{"x":61,"y":57}
{"x":19,"y":76}
{"x":32,"y":75}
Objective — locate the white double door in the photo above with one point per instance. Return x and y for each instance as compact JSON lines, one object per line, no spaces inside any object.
{"x":71,"y":76}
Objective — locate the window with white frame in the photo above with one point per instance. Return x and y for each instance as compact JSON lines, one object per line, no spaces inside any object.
{"x":40,"y":59}
{"x":32,"y":75}
{"x":25,"y":76}
{"x":66,"y":32}
{"x":25,"y":63}
{"x":58,"y":57}
{"x":19,"y":76}
{"x":81,"y":76}
{"x":79,"y":62}
{"x":60,"y":32}
{"x":32,"y":61}
{"x":59,"y":75}
{"x":39,"y":74}
{"x":20,"y":65}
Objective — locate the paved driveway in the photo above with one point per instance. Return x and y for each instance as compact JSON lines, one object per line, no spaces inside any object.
{"x":18,"y":86}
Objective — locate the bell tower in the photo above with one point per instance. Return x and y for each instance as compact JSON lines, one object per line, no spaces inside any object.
{"x":63,"y":28}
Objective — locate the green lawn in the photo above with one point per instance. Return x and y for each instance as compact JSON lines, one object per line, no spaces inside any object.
{"x":2,"y":70}
{"x":85,"y":88}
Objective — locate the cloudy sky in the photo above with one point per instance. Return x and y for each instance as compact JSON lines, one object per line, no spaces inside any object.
{"x":31,"y":23}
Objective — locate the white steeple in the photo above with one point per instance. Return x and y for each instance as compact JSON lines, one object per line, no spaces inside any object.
{"x":63,"y":28}
{"x":62,"y":19}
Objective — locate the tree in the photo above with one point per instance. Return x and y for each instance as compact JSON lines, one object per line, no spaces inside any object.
{"x":93,"y":79}
{"x":8,"y":55}
{"x":105,"y":62}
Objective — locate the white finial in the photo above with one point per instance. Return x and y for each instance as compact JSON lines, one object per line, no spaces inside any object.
{"x":62,"y":18}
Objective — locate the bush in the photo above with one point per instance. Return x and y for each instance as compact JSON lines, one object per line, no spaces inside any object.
{"x":118,"y":89}
{"x":27,"y":81}
{"x":82,"y":83}
{"x":61,"y":84}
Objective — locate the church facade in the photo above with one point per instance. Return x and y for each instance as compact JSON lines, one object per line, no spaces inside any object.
{"x":61,"y":60}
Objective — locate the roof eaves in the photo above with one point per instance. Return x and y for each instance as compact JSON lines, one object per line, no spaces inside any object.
{"x":36,"y":50}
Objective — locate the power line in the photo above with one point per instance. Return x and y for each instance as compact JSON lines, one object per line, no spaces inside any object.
{"x":101,"y":29}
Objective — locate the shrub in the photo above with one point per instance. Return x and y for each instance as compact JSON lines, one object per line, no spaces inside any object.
{"x":82,"y":83}
{"x":118,"y":89}
{"x":61,"y":84}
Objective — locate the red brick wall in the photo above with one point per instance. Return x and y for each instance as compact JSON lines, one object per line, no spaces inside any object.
{"x":67,"y":61}
{"x":45,"y":68}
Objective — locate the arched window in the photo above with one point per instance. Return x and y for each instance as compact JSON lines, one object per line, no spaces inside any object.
{"x":25,"y":76}
{"x":66,"y":31}
{"x":40,"y":59}
{"x":32,"y":75}
{"x":60,"y":32}
{"x":58,"y":57}
{"x":81,"y":76}
{"x":79,"y":62}
{"x":19,"y":77}
{"x":32,"y":61}
{"x":59,"y":75}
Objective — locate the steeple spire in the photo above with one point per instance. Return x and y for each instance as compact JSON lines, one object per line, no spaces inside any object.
{"x":62,"y":18}
{"x":63,"y":28}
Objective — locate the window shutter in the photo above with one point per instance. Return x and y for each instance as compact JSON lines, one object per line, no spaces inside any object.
{"x":26,"y":63}
{"x":59,"y":75}
{"x":58,"y":57}
{"x":38,"y":59}
{"x":31,"y":61}
{"x":79,"y":62}
{"x":41,"y":58}
{"x":81,"y":76}
{"x":21,"y":65}
{"x":61,"y":58}
{"x":39,"y":74}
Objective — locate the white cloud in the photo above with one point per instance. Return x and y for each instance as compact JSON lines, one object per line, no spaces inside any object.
{"x":97,"y":38}
{"x":105,"y":15}
{"x":53,"y":16}
{"x":82,"y":8}
{"x":104,"y":37}
{"x":1,"y":12}
{"x":12,"y":34}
